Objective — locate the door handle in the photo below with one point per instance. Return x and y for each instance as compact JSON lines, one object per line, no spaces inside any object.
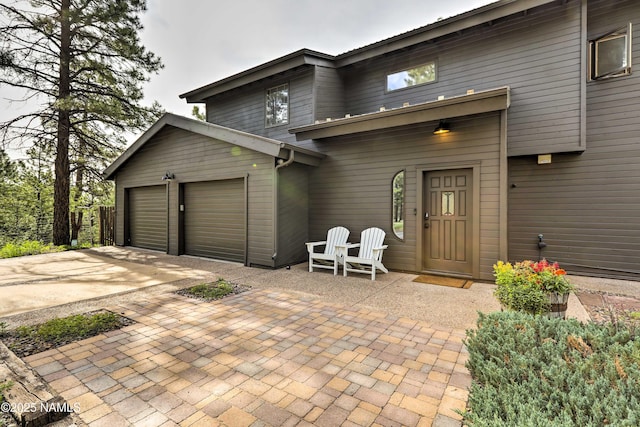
{"x":426,"y":220}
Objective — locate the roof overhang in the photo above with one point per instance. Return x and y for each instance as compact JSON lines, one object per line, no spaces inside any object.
{"x":464,"y":105}
{"x":269,"y":69}
{"x":268,"y":146}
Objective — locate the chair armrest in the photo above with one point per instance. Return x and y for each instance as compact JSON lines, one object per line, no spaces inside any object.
{"x":344,"y":249}
{"x":312,"y":245}
{"x":377,"y":252}
{"x":348,"y":246}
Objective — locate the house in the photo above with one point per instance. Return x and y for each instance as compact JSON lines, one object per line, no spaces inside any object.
{"x":536,"y":154}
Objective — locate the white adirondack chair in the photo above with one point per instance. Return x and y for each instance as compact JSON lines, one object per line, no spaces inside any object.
{"x":329,"y":258}
{"x":369,"y":257}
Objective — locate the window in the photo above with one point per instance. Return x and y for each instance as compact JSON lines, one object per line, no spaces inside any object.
{"x":277,"y":106}
{"x":610,"y":55}
{"x":414,"y":76}
{"x":397,"y":203}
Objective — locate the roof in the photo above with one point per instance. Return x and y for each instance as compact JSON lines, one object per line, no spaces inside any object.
{"x":454,"y":24}
{"x":285,"y":63}
{"x":253,"y":142}
{"x":472,"y":103}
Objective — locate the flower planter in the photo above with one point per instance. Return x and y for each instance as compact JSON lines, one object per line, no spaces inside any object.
{"x":558,"y":305}
{"x":533,"y":287}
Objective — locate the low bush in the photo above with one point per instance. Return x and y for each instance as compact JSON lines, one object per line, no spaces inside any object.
{"x":29,"y":247}
{"x":534,"y":371}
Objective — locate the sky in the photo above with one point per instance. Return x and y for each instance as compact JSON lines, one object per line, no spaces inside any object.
{"x":202,"y":41}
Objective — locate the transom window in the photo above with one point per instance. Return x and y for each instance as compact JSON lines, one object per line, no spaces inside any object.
{"x":610,"y":55}
{"x":277,"y":106}
{"x":411,"y":77}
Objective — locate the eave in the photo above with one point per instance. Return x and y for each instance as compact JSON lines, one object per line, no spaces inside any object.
{"x":268,"y":146}
{"x":464,"y":105}
{"x":268,"y":69}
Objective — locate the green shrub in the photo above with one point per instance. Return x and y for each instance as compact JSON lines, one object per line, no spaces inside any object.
{"x":29,"y":247}
{"x":534,"y":371}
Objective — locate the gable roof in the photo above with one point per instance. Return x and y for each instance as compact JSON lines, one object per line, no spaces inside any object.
{"x":279,"y":65}
{"x":257,"y":143}
{"x":454,"y":24}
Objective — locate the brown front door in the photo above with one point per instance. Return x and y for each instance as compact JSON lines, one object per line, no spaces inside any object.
{"x":447,"y":221}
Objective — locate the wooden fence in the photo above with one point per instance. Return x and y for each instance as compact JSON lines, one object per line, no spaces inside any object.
{"x":107,"y":225}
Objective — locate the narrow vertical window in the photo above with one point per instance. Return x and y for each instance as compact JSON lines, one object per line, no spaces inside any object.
{"x":397,"y":210}
{"x":277,"y":106}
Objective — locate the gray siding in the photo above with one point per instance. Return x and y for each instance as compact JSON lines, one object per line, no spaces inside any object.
{"x":537,"y":55}
{"x":192,"y":158}
{"x":328,"y":94}
{"x":244,"y":109}
{"x":293,"y":214}
{"x":352,"y":187}
{"x":587,"y":205}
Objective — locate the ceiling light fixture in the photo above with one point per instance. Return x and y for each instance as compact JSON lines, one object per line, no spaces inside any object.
{"x":442,"y":128}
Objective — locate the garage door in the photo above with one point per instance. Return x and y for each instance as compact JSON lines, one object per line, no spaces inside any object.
{"x":214,"y":219}
{"x":148,"y":217}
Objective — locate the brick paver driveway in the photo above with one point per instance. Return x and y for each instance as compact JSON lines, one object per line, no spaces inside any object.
{"x":261,"y":358}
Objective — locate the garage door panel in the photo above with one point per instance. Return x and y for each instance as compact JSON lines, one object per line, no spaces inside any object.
{"x":148,"y":217}
{"x":214,"y":219}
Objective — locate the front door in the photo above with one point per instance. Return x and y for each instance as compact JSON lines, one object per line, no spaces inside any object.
{"x":447,"y":221}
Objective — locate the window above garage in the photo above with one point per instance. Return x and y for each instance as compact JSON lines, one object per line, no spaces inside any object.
{"x":610,"y":54}
{"x":277,"y":106}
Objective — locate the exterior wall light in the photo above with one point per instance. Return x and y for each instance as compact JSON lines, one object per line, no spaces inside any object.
{"x":442,"y":128}
{"x":168,"y":176}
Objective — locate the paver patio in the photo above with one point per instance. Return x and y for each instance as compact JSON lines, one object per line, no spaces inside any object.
{"x":262,"y":357}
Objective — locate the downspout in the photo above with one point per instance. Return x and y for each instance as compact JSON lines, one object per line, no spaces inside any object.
{"x":275,"y":201}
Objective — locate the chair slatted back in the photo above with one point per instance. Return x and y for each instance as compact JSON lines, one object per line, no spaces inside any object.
{"x":370,"y":238}
{"x":335,"y":236}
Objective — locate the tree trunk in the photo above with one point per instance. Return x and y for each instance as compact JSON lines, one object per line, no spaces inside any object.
{"x":76,"y":216}
{"x":61,"y":184}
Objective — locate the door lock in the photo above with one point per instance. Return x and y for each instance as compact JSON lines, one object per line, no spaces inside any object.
{"x":426,"y":220}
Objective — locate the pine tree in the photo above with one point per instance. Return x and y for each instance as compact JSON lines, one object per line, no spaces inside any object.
{"x":83,"y":63}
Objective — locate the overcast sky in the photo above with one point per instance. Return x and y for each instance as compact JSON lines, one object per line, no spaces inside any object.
{"x":201,"y":41}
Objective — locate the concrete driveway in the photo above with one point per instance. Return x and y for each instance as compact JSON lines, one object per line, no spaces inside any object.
{"x":54,"y":285}
{"x":39,"y":281}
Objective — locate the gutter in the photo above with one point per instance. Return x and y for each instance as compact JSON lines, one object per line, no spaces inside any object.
{"x":275,"y":201}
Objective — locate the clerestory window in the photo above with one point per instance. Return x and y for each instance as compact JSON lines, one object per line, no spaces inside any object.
{"x":610,"y":55}
{"x":277,"y":106}
{"x":412,"y":77}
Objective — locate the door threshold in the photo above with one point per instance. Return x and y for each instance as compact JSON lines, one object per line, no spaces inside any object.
{"x":447,"y":274}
